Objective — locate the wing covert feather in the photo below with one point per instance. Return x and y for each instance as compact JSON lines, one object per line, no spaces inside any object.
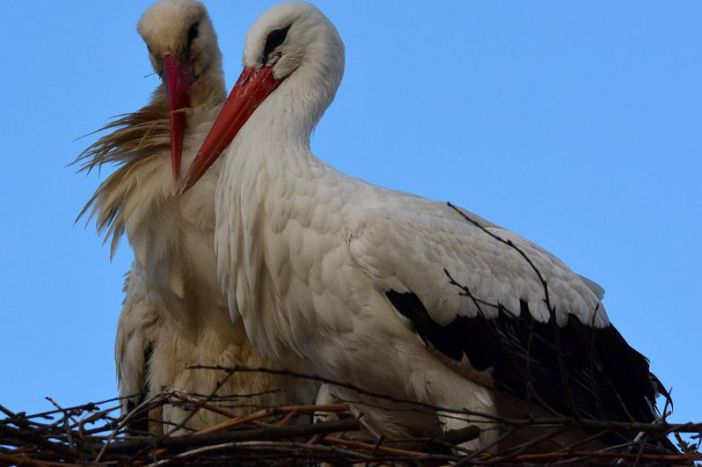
{"x":411,"y":250}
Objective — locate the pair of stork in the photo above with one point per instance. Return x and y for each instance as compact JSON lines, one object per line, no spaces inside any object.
{"x":262,"y":255}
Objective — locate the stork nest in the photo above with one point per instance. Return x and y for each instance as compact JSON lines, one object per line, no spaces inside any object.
{"x":96,"y":434}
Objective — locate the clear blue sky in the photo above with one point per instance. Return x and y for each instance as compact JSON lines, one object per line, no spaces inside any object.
{"x":577,"y":124}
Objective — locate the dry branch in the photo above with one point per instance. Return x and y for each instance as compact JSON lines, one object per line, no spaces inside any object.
{"x":94,"y":434}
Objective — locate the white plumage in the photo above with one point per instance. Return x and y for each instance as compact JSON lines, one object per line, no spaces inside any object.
{"x":335,"y":276}
{"x":174,"y":313}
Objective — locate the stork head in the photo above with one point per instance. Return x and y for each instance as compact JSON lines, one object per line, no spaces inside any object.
{"x":290,"y":45}
{"x":183,"y":50}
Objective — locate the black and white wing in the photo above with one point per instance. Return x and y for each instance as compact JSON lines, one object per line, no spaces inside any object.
{"x":505,"y":310}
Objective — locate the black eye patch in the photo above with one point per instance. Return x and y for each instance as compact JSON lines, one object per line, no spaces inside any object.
{"x":274,"y":39}
{"x":194,"y":31}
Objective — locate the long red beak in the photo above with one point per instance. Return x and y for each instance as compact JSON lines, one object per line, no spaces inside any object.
{"x":252,"y":88}
{"x":179,"y":78}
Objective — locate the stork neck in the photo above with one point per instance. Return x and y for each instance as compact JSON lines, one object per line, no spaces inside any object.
{"x":289,"y":115}
{"x":284,"y":121}
{"x":208,"y":89}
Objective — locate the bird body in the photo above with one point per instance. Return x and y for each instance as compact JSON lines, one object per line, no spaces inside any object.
{"x":322,"y":250}
{"x":174,"y":315}
{"x":387,"y":291}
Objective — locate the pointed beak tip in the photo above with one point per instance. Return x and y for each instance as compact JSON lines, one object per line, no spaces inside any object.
{"x":175,"y":165}
{"x":191,"y":177}
{"x":187,"y":185}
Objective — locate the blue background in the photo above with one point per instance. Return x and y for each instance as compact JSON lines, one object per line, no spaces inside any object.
{"x":576,"y":124}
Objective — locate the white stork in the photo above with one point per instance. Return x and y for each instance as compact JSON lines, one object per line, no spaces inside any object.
{"x":174,"y":313}
{"x":339,"y":277}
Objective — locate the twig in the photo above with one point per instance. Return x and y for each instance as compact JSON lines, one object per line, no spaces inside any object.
{"x":373,"y":447}
{"x":540,"y":457}
{"x":273,"y":411}
{"x":265,"y":434}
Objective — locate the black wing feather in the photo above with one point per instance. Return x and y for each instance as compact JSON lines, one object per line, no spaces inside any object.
{"x":575,"y":370}
{"x":139,"y":425}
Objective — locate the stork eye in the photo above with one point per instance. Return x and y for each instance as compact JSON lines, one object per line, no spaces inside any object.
{"x":274,"y":39}
{"x":194,"y":31}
